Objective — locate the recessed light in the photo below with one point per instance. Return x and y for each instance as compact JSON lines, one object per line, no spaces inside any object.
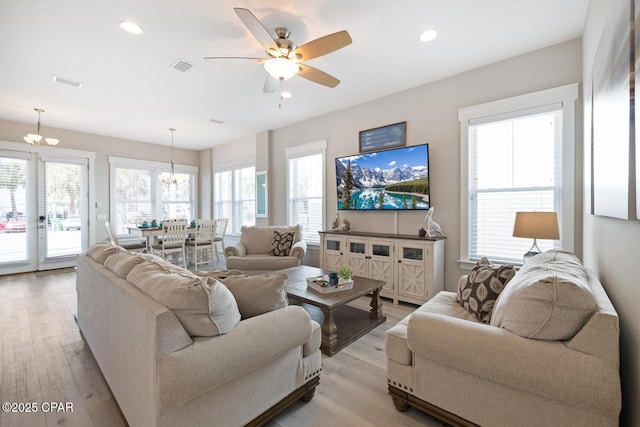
{"x":131,"y":27}
{"x":286,"y":94}
{"x":428,"y":35}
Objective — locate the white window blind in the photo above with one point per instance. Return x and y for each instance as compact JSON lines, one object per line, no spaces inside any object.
{"x":305,"y":171}
{"x":516,"y":154}
{"x":137,"y":194}
{"x":514,"y":165}
{"x":133,"y":197}
{"x":234,"y":197}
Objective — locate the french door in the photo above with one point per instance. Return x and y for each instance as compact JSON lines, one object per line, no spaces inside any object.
{"x":44,"y":209}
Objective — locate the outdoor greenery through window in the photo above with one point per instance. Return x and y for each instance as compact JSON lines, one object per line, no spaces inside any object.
{"x":305,"y":201}
{"x":138,"y":195}
{"x":234,"y":193}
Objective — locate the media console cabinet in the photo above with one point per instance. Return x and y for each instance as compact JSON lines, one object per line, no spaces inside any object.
{"x":412,"y":267}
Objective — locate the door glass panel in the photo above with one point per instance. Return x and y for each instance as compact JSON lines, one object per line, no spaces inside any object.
{"x":13,"y":210}
{"x":63,"y":222}
{"x":333,"y":245}
{"x":412,"y":253}
{"x":356,"y":248}
{"x":380,"y":250}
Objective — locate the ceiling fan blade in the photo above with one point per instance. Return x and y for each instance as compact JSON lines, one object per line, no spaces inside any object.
{"x":232,"y":59}
{"x":256,"y":28}
{"x":317,"y":76}
{"x":270,"y":84}
{"x":323,"y":45}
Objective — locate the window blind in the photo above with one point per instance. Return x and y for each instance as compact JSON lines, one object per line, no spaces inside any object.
{"x":514,"y":165}
{"x":306,"y":194}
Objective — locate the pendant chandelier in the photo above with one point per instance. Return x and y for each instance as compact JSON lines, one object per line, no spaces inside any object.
{"x":36,"y":138}
{"x":172,"y":178}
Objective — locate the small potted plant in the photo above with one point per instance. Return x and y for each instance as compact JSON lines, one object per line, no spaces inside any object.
{"x":345,"y":272}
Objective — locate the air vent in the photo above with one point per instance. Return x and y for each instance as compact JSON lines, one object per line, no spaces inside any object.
{"x":63,"y":81}
{"x":182,"y":65}
{"x":216,"y":121}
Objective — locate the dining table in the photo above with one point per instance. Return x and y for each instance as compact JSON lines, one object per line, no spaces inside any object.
{"x":151,"y":233}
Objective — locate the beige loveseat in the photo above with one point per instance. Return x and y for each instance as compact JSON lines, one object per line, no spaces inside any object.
{"x":548,"y":357}
{"x":174,"y":350}
{"x":255,"y":251}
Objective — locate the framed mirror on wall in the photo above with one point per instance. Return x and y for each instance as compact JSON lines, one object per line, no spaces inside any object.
{"x":262,"y":195}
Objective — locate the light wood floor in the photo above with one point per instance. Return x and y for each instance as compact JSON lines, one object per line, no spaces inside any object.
{"x":43,"y":359}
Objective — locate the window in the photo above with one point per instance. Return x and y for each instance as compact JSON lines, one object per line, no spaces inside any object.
{"x":517,"y":155}
{"x":138,"y":195}
{"x":305,"y":189}
{"x":234,"y":197}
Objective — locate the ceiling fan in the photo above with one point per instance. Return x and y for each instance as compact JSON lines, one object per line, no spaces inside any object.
{"x":284,"y":58}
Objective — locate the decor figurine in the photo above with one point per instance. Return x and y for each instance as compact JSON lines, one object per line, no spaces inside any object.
{"x":346,"y":225}
{"x":433,"y":228}
{"x":336,"y":222}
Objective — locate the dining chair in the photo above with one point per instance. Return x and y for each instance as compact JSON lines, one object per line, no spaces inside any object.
{"x":221,"y":229}
{"x":204,"y":239}
{"x":174,"y":236}
{"x":133,"y":246}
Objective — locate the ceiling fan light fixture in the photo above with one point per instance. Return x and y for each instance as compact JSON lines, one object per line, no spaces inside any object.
{"x":281,"y":68}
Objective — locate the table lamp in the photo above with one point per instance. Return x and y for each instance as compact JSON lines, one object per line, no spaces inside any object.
{"x":536,"y":225}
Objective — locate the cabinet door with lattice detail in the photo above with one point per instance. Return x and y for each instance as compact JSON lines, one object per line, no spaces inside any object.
{"x":333,"y":256}
{"x":381,"y":266}
{"x":358,"y":257}
{"x":411,"y":271}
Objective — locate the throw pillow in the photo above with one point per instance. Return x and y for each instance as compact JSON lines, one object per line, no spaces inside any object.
{"x":281,"y":243}
{"x":257,"y":295}
{"x":203,"y":306}
{"x":485,"y":282}
{"x":549,"y":299}
{"x":101,"y":251}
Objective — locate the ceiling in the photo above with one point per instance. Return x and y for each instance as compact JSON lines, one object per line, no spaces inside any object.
{"x":131,"y":91}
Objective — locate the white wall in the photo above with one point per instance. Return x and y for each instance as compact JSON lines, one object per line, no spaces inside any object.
{"x":104,"y":147}
{"x":611,"y":248}
{"x":431,"y":113}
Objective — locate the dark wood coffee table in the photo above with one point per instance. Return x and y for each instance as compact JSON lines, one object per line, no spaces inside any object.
{"x":341,"y":324}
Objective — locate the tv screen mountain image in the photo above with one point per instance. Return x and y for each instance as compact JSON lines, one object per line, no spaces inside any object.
{"x":396,"y":179}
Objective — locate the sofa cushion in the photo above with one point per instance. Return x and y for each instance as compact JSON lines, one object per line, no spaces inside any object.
{"x":122,"y":263}
{"x":256,"y":295}
{"x":101,"y":251}
{"x":281,"y":243}
{"x":483,"y":285}
{"x":549,"y":298}
{"x":257,"y":239}
{"x":203,"y":305}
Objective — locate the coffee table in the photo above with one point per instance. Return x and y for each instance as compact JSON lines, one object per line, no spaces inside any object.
{"x":341,"y":324}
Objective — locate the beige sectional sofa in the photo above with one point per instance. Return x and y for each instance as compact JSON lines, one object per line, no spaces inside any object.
{"x":177,"y":349}
{"x":257,"y":252}
{"x":548,"y":356}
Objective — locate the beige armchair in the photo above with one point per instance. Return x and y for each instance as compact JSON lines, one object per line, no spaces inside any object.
{"x":256,"y":251}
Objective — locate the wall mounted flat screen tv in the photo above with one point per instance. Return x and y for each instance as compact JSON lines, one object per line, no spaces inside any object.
{"x":396,"y":179}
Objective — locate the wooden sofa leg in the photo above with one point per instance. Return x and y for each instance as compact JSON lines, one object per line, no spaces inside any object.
{"x":311,"y":390}
{"x":400,"y":399}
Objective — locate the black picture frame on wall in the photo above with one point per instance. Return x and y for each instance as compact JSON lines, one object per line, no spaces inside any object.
{"x":383,"y":137}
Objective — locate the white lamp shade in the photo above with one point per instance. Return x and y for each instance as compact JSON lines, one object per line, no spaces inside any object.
{"x":281,"y":68}
{"x":536,"y":225}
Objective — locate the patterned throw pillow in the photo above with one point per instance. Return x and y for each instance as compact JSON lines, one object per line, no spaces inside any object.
{"x":281,"y":243}
{"x":485,"y":282}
